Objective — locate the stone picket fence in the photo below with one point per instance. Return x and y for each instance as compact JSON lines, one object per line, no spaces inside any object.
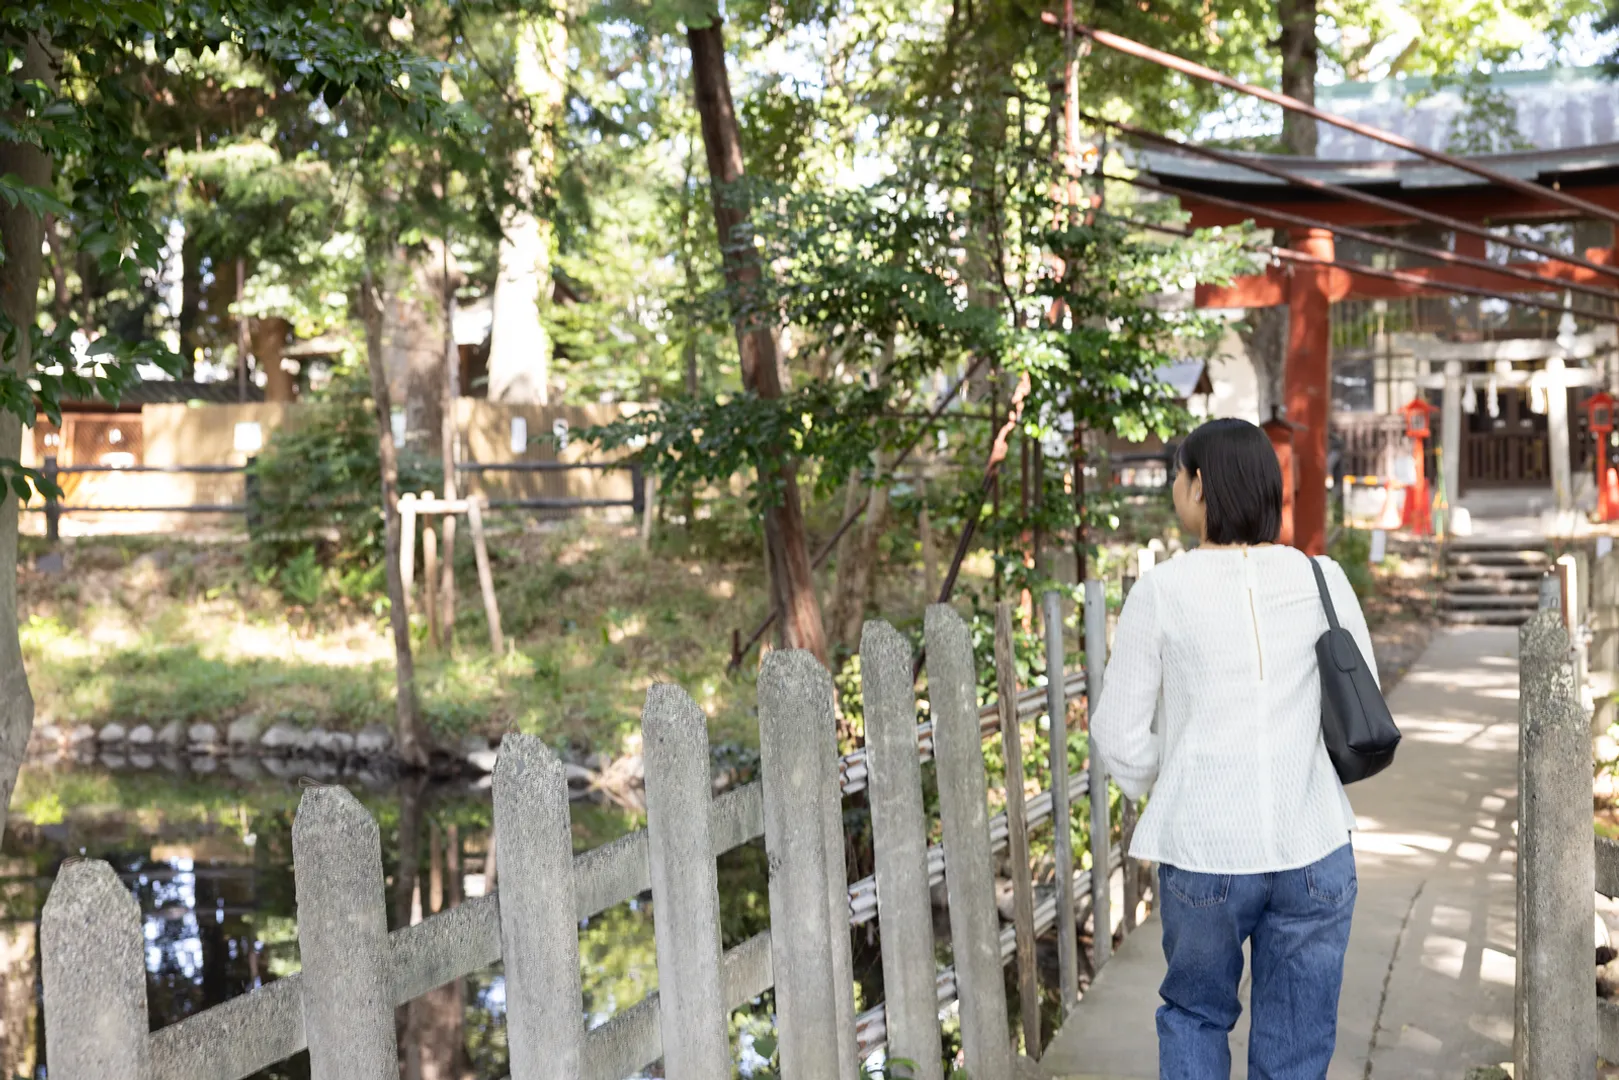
{"x":1562,"y":1026}
{"x":341,"y":1006}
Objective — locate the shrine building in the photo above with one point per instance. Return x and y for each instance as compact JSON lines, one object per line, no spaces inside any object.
{"x":1508,"y":383}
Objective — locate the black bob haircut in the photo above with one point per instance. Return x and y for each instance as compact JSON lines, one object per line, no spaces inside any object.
{"x":1242,"y":482}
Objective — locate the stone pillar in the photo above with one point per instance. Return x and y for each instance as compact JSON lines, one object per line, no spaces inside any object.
{"x":1556,"y":1030}
{"x":1450,"y":431}
{"x":1557,"y":432}
{"x":1307,"y":387}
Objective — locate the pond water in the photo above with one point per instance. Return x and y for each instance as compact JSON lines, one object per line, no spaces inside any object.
{"x":209,"y":859}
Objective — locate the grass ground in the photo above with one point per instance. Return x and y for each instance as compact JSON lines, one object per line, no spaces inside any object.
{"x":153,"y":630}
{"x":142,"y":632}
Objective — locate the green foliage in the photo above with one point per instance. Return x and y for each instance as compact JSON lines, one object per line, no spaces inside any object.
{"x":92,"y":120}
{"x":694,"y":442}
{"x":301,"y":579}
{"x":1352,"y":550}
{"x":318,"y":500}
{"x":1382,"y":39}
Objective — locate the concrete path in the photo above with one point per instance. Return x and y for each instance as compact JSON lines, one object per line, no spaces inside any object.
{"x":1428,"y":984}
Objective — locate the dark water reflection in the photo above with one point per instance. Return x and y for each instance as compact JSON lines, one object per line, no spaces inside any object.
{"x":210,"y":862}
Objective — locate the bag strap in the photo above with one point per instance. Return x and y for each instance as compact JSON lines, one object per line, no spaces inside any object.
{"x":1326,"y":599}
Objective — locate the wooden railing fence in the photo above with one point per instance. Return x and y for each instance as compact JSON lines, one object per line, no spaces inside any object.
{"x":355,"y":973}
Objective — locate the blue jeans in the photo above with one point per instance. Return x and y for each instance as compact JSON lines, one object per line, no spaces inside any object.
{"x":1299,"y":923}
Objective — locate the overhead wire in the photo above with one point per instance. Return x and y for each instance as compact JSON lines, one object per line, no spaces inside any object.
{"x":1129,"y":47}
{"x":1339,"y":191}
{"x":1402,"y":277}
{"x":1262,"y":213}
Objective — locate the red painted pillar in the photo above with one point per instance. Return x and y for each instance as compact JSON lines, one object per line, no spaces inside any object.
{"x":1281,"y":440}
{"x":1307,"y":388}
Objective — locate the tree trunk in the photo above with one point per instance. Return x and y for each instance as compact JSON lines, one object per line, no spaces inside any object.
{"x":436,"y":1018}
{"x":190,"y":302}
{"x":924,"y":536}
{"x":857,"y":553}
{"x":413,"y":343}
{"x":243,"y":349}
{"x":1298,"y":46}
{"x":856,"y":579}
{"x":693,"y":377}
{"x":269,"y":338}
{"x":407,"y":888}
{"x":1265,"y":340}
{"x":61,"y":302}
{"x":19,"y":1001}
{"x":20,"y":240}
{"x":519,"y":347}
{"x":854,"y":494}
{"x":452,"y":373}
{"x":722,"y":141}
{"x":411,"y":734}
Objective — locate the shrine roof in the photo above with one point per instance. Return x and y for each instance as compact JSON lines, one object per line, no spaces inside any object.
{"x":1567,"y":129}
{"x":1551,"y":109}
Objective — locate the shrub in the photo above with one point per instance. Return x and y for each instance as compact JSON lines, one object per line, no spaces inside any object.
{"x":318,"y":504}
{"x":1352,"y":549}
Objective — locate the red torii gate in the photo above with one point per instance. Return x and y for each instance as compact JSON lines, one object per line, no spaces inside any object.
{"x":1309,"y":291}
{"x":1477,"y":192}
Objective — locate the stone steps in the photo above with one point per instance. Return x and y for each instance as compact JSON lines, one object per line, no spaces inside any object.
{"x":1499,"y":617}
{"x":1529,"y":572}
{"x":1452,"y":601}
{"x":1491,"y":586}
{"x":1492,"y":582}
{"x":1501,"y":558}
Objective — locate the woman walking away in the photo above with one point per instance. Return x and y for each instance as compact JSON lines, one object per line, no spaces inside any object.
{"x":1212,"y":700}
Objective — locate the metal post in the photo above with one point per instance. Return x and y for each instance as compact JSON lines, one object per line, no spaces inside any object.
{"x":1017,"y":837}
{"x":250,"y":495}
{"x":53,"y":505}
{"x":649,"y":508}
{"x":1101,"y":819}
{"x":1063,"y":845}
{"x":637,"y":489}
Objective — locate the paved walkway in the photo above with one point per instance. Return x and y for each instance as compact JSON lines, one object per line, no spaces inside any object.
{"x":1428,"y":984}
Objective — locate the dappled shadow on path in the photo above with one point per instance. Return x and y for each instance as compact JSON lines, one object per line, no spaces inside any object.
{"x":1428,"y":983}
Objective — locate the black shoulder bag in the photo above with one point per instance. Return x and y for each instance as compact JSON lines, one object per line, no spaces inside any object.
{"x":1355,"y":722}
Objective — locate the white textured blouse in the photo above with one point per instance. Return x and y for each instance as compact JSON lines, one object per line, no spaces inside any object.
{"x":1218,"y":646}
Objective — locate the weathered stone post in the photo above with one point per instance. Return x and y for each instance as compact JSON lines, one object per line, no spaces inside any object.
{"x":1556,"y":1029}
{"x":900,"y":847}
{"x":343,"y":939}
{"x":539,"y":929}
{"x":94,"y":971}
{"x":685,"y":887}
{"x":795,"y":703}
{"x":969,"y":867}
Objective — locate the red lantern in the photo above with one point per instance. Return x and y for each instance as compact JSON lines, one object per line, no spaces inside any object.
{"x":1418,"y":504}
{"x":1600,"y":410}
